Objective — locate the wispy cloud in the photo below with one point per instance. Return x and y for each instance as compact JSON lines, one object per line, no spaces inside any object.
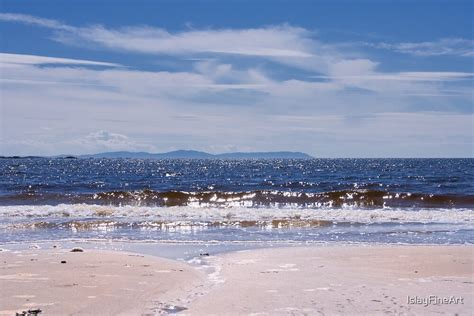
{"x":20,"y":59}
{"x":442,"y":47}
{"x":276,"y":41}
{"x":271,"y":41}
{"x":146,"y":108}
{"x":408,"y":76}
{"x":292,"y":46}
{"x":209,"y":80}
{"x":109,"y":141}
{"x":233,"y":100}
{"x":33,"y":20}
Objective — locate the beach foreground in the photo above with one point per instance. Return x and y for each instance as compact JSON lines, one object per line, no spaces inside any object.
{"x":92,"y":282}
{"x":341,"y":279}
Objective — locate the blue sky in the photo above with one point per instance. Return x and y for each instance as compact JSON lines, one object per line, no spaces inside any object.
{"x":330,"y":78}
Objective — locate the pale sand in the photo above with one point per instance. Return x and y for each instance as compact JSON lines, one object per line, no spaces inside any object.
{"x":355,"y":280}
{"x":91,"y":282}
{"x":328,"y":280}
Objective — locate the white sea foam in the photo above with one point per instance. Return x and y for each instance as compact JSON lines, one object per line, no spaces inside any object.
{"x":205,"y":214}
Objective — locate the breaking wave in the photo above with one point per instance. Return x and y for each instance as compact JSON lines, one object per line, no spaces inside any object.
{"x":259,"y":198}
{"x":278,"y":216}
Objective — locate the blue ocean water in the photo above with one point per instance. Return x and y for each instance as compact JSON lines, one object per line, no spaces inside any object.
{"x":311,"y":200}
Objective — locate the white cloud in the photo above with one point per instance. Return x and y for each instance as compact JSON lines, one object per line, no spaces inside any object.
{"x":400,"y":83}
{"x":105,"y":137}
{"x":272,"y":41}
{"x":18,"y":59}
{"x":277,"y":41}
{"x":408,"y":76}
{"x":109,"y":141}
{"x":292,"y":46}
{"x":22,"y":69}
{"x":131,"y":110}
{"x":227,"y":73}
{"x":350,"y":67}
{"x":33,"y":20}
{"x":221,"y":104}
{"x":446,"y":46}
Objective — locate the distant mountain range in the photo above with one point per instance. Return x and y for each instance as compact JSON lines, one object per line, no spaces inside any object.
{"x":193,"y":154}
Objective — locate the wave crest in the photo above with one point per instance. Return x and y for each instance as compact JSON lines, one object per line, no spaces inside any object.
{"x":259,"y":198}
{"x":227,"y":215}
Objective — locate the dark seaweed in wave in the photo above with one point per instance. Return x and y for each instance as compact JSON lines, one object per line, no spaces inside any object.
{"x":259,"y":198}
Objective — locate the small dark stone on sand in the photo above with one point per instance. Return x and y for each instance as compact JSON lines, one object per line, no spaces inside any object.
{"x":63,"y":261}
{"x":416,"y":271}
{"x":204,"y":254}
{"x":77,"y":250}
{"x":30,"y":312}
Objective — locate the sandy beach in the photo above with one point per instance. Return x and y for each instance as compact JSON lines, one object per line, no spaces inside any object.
{"x":92,"y":282}
{"x":370,"y":280}
{"x":315,"y":280}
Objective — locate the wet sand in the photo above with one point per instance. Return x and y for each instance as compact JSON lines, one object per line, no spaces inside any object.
{"x":316,"y":280}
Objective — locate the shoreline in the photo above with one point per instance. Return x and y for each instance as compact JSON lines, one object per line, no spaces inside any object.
{"x":189,"y":251}
{"x":311,"y":279}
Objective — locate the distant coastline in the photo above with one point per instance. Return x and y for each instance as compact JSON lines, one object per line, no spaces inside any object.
{"x":181,"y":154}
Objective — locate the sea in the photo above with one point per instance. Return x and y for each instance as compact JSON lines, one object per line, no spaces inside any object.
{"x":401,"y":201}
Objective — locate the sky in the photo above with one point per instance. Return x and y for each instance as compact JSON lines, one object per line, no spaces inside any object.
{"x":329,"y":78}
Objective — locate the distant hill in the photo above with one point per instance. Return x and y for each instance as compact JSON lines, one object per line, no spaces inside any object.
{"x":265,"y":155}
{"x":193,"y":154}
